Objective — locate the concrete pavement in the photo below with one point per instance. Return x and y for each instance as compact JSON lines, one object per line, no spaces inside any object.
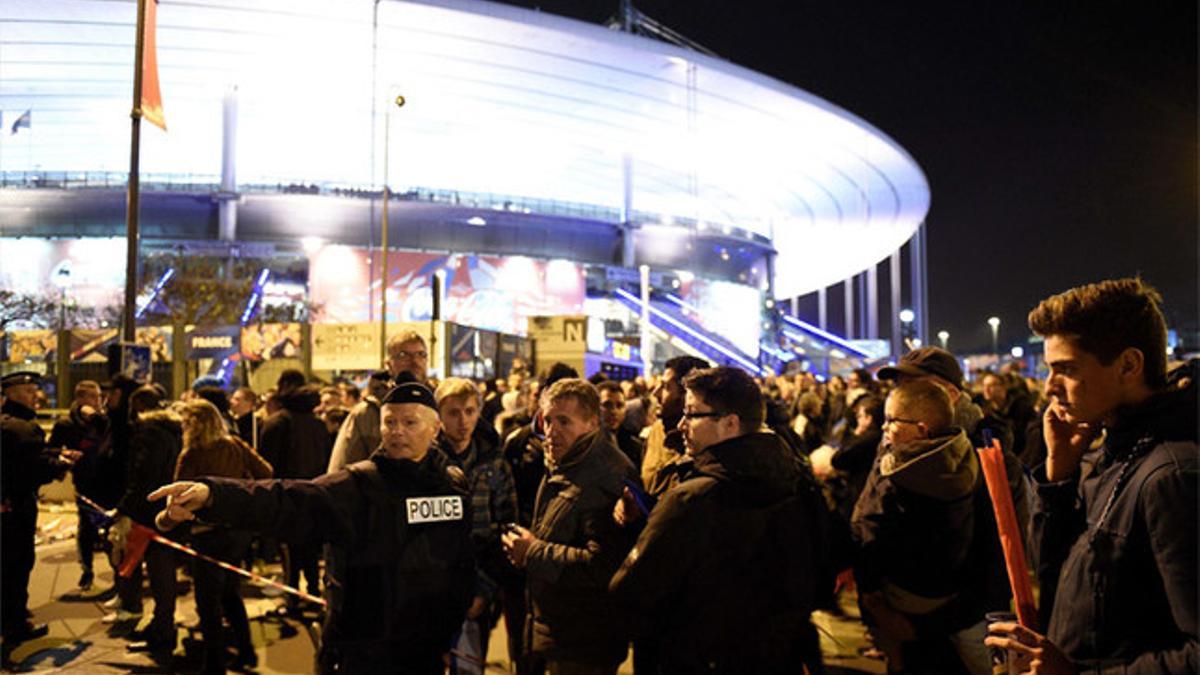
{"x":78,"y":642}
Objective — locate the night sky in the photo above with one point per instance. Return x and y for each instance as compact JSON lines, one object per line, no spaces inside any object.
{"x":1059,"y":138}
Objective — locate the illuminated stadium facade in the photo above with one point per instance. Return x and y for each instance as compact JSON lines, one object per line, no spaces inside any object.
{"x":522,"y":134}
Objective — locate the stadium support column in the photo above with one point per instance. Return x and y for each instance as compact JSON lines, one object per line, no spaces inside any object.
{"x":919,"y":291}
{"x":873,"y":302}
{"x":627,"y":249}
{"x":894,"y":286}
{"x":848,"y":288}
{"x":823,"y":308}
{"x":647,"y":346}
{"x":227,"y":196}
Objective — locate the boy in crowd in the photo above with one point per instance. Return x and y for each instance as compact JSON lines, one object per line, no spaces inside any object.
{"x":915,"y":525}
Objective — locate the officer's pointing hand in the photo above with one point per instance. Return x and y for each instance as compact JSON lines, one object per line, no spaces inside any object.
{"x":183,"y":500}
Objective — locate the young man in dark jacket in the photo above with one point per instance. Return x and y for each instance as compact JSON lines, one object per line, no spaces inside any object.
{"x":82,"y":429}
{"x":471,"y":445}
{"x":398,"y":525}
{"x":296,"y":443}
{"x":574,"y":546}
{"x":1115,"y":527}
{"x":154,"y":445}
{"x":723,"y":575}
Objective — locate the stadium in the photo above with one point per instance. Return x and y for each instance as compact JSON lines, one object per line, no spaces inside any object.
{"x":536,"y":166}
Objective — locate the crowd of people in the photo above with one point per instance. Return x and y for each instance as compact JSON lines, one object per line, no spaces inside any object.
{"x":699,"y":516}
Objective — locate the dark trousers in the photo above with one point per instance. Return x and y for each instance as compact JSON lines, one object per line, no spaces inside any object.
{"x":218,"y":595}
{"x":302,"y":558}
{"x":512,"y":600}
{"x":87,"y":535}
{"x":159,"y":565}
{"x":17,"y":528}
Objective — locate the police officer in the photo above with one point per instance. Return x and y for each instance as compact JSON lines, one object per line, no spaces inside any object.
{"x":400,"y":567}
{"x":25,"y":465}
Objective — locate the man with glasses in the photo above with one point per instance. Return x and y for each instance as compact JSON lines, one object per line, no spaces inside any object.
{"x":408,"y":361}
{"x":914,"y":526}
{"x":722,"y":576}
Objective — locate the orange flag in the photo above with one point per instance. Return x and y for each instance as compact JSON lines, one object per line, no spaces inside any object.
{"x":152,"y":108}
{"x":1011,"y":540}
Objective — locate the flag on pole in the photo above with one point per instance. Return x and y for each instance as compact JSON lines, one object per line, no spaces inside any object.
{"x":25,"y":121}
{"x":991,"y":460}
{"x":152,"y":107}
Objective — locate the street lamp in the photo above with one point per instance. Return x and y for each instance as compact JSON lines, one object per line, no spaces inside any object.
{"x":907,"y":316}
{"x":944,"y":338}
{"x":994,"y":322}
{"x":398,"y":102}
{"x":1018,"y":352}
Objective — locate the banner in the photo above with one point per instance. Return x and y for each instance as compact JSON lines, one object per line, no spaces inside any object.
{"x":32,"y":345}
{"x":151,"y":104}
{"x":214,"y":342}
{"x":91,"y":345}
{"x":267,"y":341}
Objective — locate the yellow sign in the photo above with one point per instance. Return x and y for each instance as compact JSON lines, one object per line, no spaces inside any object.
{"x":345,"y":346}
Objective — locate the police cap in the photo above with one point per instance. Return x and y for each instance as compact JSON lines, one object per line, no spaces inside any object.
{"x":410,"y":392}
{"x":20,"y":377}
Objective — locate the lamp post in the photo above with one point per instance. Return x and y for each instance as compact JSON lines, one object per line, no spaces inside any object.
{"x":944,"y":338}
{"x":383,"y":238}
{"x":907,"y":316}
{"x":994,"y":322}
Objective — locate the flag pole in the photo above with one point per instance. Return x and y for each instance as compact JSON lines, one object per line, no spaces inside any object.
{"x":133,"y":198}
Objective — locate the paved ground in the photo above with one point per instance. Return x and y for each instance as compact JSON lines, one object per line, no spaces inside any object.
{"x":79,"y":642}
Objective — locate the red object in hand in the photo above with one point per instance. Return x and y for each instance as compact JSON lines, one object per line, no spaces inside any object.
{"x":1011,"y":539}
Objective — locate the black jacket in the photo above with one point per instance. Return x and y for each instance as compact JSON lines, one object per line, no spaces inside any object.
{"x":294,"y":441}
{"x":25,"y":464}
{"x":400,"y":566}
{"x":523,"y":452}
{"x":914,"y":522}
{"x":577,"y":550}
{"x":85,"y":434}
{"x":1126,"y":597}
{"x":724,"y":572}
{"x":154,"y":447}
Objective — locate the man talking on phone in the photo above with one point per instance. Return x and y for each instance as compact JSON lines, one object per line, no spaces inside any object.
{"x":1116,"y":519}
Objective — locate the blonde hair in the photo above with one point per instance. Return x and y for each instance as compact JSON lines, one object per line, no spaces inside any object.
{"x":207,"y":426}
{"x":455,"y":387}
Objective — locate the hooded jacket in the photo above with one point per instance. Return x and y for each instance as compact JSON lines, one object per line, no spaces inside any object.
{"x":577,"y":550}
{"x":294,"y":440}
{"x":1119,"y":542}
{"x":724,"y":572}
{"x":154,"y":447}
{"x":915,"y":523}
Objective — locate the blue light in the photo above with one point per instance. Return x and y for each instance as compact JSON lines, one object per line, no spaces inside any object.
{"x":823,"y":334}
{"x":255,"y":295}
{"x":158,"y":286}
{"x":749,"y":365}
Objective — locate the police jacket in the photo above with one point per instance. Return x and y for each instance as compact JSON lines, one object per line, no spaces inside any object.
{"x":1121,"y":541}
{"x":723,"y":573}
{"x":25,"y":465}
{"x":400,"y":571}
{"x":577,"y":550}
